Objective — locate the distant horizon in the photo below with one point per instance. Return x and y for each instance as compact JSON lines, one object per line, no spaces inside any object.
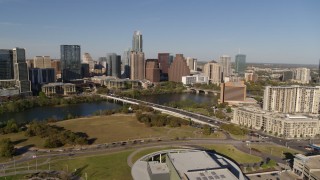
{"x":264,"y":30}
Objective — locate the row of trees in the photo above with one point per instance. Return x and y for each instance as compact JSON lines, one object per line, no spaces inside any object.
{"x":55,"y":136}
{"x":162,"y":88}
{"x":10,"y":126}
{"x":24,"y":104}
{"x":160,"y":120}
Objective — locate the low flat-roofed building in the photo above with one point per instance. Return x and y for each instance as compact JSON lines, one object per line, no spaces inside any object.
{"x":186,"y":164}
{"x":197,"y":78}
{"x":113,"y":82}
{"x":59,"y":89}
{"x":285,"y":125}
{"x":307,"y":167}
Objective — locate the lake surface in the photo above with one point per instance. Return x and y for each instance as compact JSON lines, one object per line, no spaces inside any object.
{"x":59,"y":112}
{"x":87,"y":109}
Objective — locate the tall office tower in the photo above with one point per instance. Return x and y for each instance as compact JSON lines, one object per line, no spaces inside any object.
{"x":163,"y":59}
{"x":126,"y":64}
{"x":137,"y":42}
{"x":240,"y":64}
{"x":152,"y":70}
{"x":233,"y":92}
{"x":6,"y":64}
{"x":102,"y":66}
{"x":137,"y":66}
{"x":21,"y":74}
{"x":70,"y":62}
{"x":225,"y":62}
{"x":291,"y":99}
{"x":114,"y":65}
{"x":88,"y":60}
{"x":214,"y":71}
{"x":42,"y":62}
{"x":56,"y":65}
{"x":302,"y":75}
{"x":192,"y":63}
{"x":178,"y":69}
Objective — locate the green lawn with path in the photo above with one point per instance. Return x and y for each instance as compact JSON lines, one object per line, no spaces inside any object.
{"x":233,"y":153}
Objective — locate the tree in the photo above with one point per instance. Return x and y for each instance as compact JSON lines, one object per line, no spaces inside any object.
{"x":11,"y":126}
{"x":206,"y":130}
{"x":6,"y":148}
{"x":229,"y":109}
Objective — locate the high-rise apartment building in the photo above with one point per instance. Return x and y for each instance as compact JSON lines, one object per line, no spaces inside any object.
{"x":21,"y":74}
{"x":137,"y":65}
{"x":114,"y":65}
{"x":70,"y":62}
{"x":240,"y":64}
{"x":214,"y":71}
{"x":233,"y":92}
{"x":302,"y":75}
{"x":192,"y":63}
{"x":164,"y":63}
{"x":152,"y":70}
{"x":137,"y":42}
{"x":42,"y":62}
{"x":178,"y":69}
{"x":88,"y":60}
{"x":291,"y":99}
{"x":225,"y":62}
{"x":6,"y":64}
{"x":253,"y":77}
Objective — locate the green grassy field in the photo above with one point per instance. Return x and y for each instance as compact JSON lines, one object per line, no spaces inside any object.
{"x":276,"y":150}
{"x":114,"y":128}
{"x":119,"y":128}
{"x":233,"y":153}
{"x":100,"y":166}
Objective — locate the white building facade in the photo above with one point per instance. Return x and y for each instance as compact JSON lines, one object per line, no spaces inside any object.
{"x":292,"y":99}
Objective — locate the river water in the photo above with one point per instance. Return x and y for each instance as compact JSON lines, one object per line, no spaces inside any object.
{"x":86,"y":109}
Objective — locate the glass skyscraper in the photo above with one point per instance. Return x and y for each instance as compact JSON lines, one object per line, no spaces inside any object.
{"x":240,"y":64}
{"x":6,"y":64}
{"x":114,"y":65}
{"x":70,"y":62}
{"x":137,"y":42}
{"x":21,"y":74}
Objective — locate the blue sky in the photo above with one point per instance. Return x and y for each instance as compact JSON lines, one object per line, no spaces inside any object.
{"x":282,"y":31}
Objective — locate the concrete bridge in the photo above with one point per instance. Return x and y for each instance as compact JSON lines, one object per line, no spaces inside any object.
{"x":205,"y":91}
{"x":198,"y":118}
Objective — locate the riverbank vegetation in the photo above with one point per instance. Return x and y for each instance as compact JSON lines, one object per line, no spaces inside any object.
{"x":162,"y":88}
{"x":41,"y":101}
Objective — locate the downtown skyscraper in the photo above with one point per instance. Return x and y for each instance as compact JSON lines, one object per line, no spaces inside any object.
{"x":70,"y":62}
{"x":137,"y":42}
{"x":114,"y":65}
{"x":6,"y":64}
{"x":137,"y":61}
{"x":240,"y":64}
{"x":21,"y":74}
{"x":225,"y":62}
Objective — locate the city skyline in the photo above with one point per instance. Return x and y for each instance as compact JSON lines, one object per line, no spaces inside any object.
{"x":270,"y":32}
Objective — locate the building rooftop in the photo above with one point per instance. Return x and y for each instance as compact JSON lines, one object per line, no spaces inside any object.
{"x":57,"y":84}
{"x":218,"y":174}
{"x":311,"y":161}
{"x":188,"y":161}
{"x":158,"y":168}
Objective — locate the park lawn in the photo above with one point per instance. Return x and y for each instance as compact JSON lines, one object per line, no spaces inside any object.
{"x":148,"y":151}
{"x":110,"y":166}
{"x":21,"y":140}
{"x":114,"y":128}
{"x":101,"y":166}
{"x":276,"y":150}
{"x":239,"y":137}
{"x":233,"y":153}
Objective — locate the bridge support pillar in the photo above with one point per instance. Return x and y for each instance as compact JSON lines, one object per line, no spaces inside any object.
{"x":206,"y":92}
{"x":197,"y":91}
